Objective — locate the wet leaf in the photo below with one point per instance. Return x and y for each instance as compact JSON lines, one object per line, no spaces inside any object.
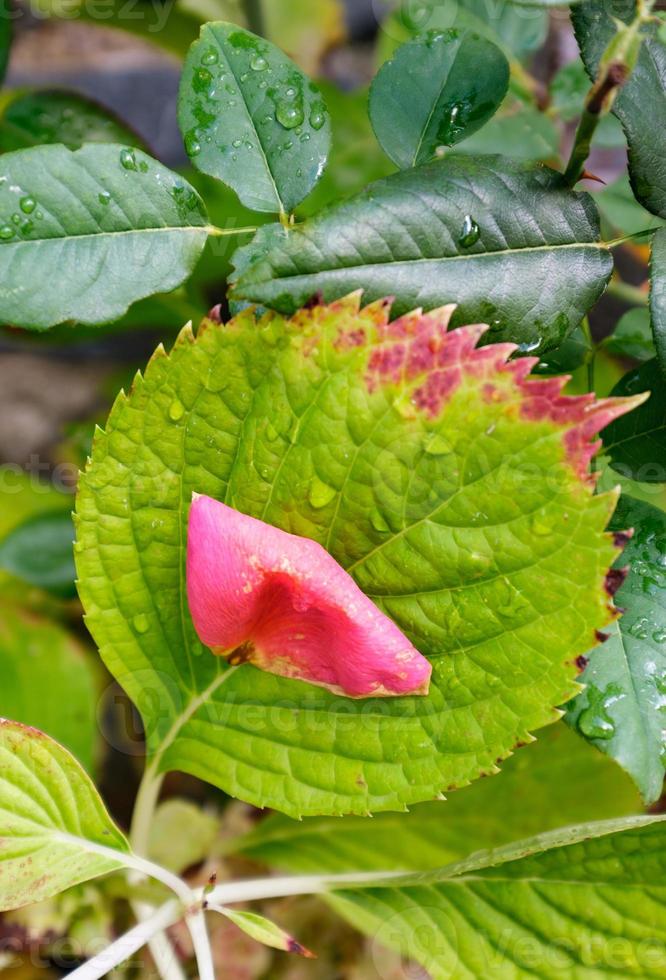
{"x":431,"y":94}
{"x":637,"y":445}
{"x":264,"y":416}
{"x":250,"y":117}
{"x":53,"y":820}
{"x":66,"y":215}
{"x":623,"y":709}
{"x":504,"y":240}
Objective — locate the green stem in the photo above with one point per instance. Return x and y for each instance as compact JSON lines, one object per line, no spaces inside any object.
{"x":585,"y":326}
{"x":597,"y":105}
{"x":224,"y":232}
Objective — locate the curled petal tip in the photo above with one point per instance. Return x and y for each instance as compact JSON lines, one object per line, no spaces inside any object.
{"x":262,"y":596}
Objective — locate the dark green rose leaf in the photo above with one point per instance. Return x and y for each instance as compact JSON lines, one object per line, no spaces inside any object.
{"x":636,"y":444}
{"x":623,"y":708}
{"x":658,"y":297}
{"x":85,"y":233}
{"x":504,"y":240}
{"x":641,"y":103}
{"x":432,"y":94}
{"x":250,"y":117}
{"x":632,"y":337}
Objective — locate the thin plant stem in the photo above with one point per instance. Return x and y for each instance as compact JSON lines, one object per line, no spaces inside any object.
{"x":227,"y":232}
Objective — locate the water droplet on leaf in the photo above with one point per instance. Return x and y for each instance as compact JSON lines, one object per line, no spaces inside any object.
{"x":128,"y":159}
{"x":192,"y":144}
{"x":103,"y":197}
{"x":176,"y":410}
{"x":469,"y":233}
{"x":27,"y":204}
{"x":6,"y":232}
{"x":258,"y":63}
{"x":320,"y":493}
{"x":209,"y":57}
{"x":289,"y":116}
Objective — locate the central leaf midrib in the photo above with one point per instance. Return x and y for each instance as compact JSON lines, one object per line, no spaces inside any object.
{"x":107,"y":234}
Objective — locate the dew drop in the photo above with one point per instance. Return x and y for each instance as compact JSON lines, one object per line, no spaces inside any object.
{"x":128,"y":159}
{"x":209,"y":57}
{"x":258,"y":63}
{"x":201,"y":80}
{"x":6,"y":232}
{"x":289,"y":116}
{"x":378,"y":521}
{"x":103,"y":197}
{"x":237,"y":143}
{"x":192,"y":144}
{"x":320,"y":493}
{"x":640,"y":629}
{"x":176,"y":410}
{"x":27,"y":204}
{"x":594,"y":721}
{"x":469,"y":233}
{"x":659,"y":635}
{"x":438,"y":446}
{"x":140,"y":623}
{"x":317,"y":118}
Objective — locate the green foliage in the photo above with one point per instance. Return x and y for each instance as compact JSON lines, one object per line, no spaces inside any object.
{"x":65,"y":215}
{"x":641,"y":103}
{"x":39,"y":551}
{"x":431,"y":94}
{"x":53,"y":820}
{"x":622,"y":707}
{"x":463,"y":552}
{"x":43,"y":670}
{"x":632,"y":337}
{"x":251,"y":118}
{"x":32,"y":118}
{"x":5,"y":35}
{"x":658,"y":298}
{"x":505,"y":241}
{"x":539,"y":789}
{"x":585,"y":901}
{"x":637,"y":444}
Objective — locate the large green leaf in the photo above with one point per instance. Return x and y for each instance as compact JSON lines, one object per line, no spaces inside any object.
{"x":39,"y":551}
{"x":431,"y":94}
{"x":51,"y":116}
{"x":460,"y":519}
{"x":48,"y":681}
{"x":53,"y":821}
{"x":505,"y":241}
{"x":251,"y":118}
{"x":622,"y":710}
{"x":637,"y":444}
{"x":85,"y":233}
{"x":587,"y":901}
{"x":555,"y":782}
{"x":641,"y":103}
{"x":658,"y":296}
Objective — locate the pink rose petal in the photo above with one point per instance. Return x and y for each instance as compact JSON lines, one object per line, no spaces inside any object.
{"x":282,"y":603}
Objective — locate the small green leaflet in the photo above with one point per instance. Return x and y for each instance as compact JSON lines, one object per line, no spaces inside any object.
{"x":637,"y":444}
{"x":264,"y":931}
{"x":504,"y":240}
{"x":641,"y":103}
{"x":588,"y":900}
{"x":250,"y":117}
{"x":281,"y":420}
{"x":66,"y":215}
{"x":41,"y":116}
{"x":623,"y":709}
{"x":40,"y":552}
{"x":53,"y":821}
{"x":431,"y":94}
{"x":658,"y":297}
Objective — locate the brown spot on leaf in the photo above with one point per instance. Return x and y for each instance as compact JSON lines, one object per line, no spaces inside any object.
{"x":614,"y":579}
{"x":600,"y":636}
{"x":622,"y":538}
{"x":581,"y":662}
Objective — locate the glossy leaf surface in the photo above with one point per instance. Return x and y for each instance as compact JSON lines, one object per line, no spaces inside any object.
{"x":313,"y":426}
{"x":623,"y":708}
{"x":250,"y":117}
{"x":67,"y":216}
{"x":431,"y":94}
{"x":504,"y":240}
